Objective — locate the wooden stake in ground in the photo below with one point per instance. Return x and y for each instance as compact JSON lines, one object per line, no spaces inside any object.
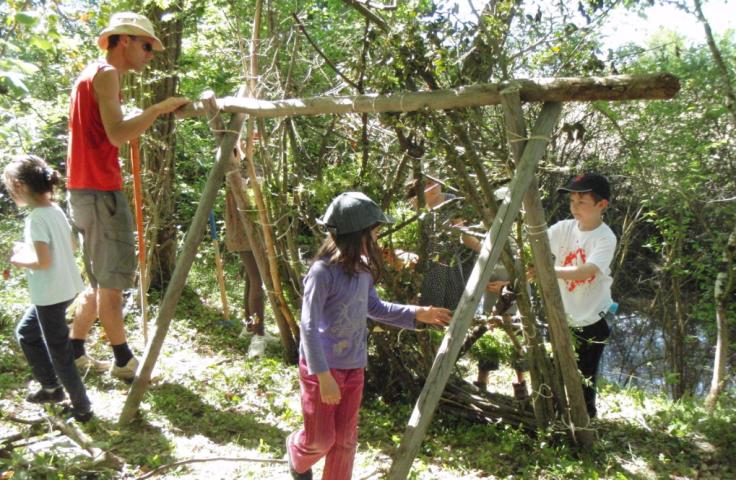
{"x":135,"y":166}
{"x":237,"y":187}
{"x":218,"y":266}
{"x":487,"y":259}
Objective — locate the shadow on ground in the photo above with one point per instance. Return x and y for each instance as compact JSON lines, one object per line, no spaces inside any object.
{"x":186,"y":411}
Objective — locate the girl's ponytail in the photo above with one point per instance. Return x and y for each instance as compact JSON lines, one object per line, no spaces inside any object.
{"x":33,"y":172}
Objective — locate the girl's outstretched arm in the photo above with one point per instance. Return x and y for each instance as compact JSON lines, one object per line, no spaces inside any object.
{"x":434,"y":316}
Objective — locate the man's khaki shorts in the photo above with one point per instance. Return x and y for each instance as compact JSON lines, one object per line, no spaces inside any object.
{"x":108,"y":245}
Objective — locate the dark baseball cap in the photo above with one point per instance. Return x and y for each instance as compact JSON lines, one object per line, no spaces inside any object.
{"x":352,"y":212}
{"x":588,"y":182}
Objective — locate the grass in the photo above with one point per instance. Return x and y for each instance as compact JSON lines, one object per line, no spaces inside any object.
{"x":208,"y":400}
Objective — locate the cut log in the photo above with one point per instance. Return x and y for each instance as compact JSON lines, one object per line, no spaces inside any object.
{"x":657,"y":86}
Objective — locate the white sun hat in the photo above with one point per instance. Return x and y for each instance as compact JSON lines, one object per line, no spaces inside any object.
{"x":129,"y":23}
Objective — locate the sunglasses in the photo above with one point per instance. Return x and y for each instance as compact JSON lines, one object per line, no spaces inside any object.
{"x":147,"y":46}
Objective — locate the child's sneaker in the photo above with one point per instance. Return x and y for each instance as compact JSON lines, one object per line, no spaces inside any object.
{"x":44,"y":395}
{"x":82,"y":417}
{"x":294,"y":474}
{"x":257,"y":346}
{"x":85,"y":363}
{"x":126,"y":373}
{"x":520,"y":392}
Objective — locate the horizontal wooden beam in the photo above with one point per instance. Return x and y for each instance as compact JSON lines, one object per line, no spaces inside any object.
{"x":657,"y":86}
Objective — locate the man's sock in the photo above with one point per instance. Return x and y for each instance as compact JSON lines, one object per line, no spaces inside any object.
{"x":77,"y":347}
{"x":122,"y":354}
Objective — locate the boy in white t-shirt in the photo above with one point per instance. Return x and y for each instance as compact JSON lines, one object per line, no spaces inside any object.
{"x":583,"y":248}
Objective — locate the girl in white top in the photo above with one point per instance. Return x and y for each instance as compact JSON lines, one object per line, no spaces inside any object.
{"x":53,"y":282}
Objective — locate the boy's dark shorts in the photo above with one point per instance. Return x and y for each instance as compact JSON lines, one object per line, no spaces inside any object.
{"x":108,"y":245}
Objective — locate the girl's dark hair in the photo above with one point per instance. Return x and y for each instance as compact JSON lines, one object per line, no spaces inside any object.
{"x":348,"y":251}
{"x":33,"y":172}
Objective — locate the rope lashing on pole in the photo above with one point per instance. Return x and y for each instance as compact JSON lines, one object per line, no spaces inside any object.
{"x":218,"y":266}
{"x":135,"y":166}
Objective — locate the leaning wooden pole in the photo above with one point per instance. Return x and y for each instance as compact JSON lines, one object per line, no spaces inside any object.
{"x":183,"y":265}
{"x":571,"y":89}
{"x":536,"y":225}
{"x":490,"y":253}
{"x":236,"y":183}
{"x":263,"y":215}
{"x":237,"y":188}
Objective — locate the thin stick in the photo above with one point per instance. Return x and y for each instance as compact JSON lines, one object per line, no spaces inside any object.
{"x":163,"y":468}
{"x":135,"y":166}
{"x":218,"y":267}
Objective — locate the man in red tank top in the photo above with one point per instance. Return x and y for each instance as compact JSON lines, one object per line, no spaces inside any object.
{"x":98,"y":208}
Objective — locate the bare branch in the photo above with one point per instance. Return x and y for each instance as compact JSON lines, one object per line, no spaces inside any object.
{"x":372,"y":17}
{"x":322,"y":54}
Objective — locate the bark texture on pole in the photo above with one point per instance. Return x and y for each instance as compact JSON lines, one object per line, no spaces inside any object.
{"x":487,"y":259}
{"x":536,"y":224}
{"x":571,"y":89}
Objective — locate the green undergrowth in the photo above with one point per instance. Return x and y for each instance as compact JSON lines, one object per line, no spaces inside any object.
{"x":207,"y":399}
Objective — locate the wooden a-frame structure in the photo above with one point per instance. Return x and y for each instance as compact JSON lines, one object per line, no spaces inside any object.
{"x":527,"y":150}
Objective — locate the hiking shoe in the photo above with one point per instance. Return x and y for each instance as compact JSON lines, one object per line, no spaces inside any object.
{"x":126,"y":373}
{"x":46,"y":396}
{"x":520,"y":392}
{"x":257,"y":346}
{"x":482,"y":386}
{"x":85,"y":363}
{"x":78,"y":415}
{"x":294,"y":474}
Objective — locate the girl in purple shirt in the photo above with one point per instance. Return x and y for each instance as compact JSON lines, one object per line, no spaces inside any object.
{"x":339,"y":295}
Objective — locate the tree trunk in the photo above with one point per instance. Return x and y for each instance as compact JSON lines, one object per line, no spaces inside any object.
{"x":728,"y":90}
{"x":679,"y":330}
{"x":723,"y":290}
{"x":158,"y":151}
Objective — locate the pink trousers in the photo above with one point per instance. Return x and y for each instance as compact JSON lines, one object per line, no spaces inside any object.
{"x":329,"y":431}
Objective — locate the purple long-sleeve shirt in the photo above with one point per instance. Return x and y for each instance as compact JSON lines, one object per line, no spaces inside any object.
{"x":334,"y":311}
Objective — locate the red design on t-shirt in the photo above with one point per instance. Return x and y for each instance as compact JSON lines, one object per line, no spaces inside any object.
{"x":572,"y":260}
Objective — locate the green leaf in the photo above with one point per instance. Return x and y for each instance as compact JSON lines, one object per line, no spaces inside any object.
{"x":26,"y":18}
{"x":42,"y":43}
{"x":14,"y":79}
